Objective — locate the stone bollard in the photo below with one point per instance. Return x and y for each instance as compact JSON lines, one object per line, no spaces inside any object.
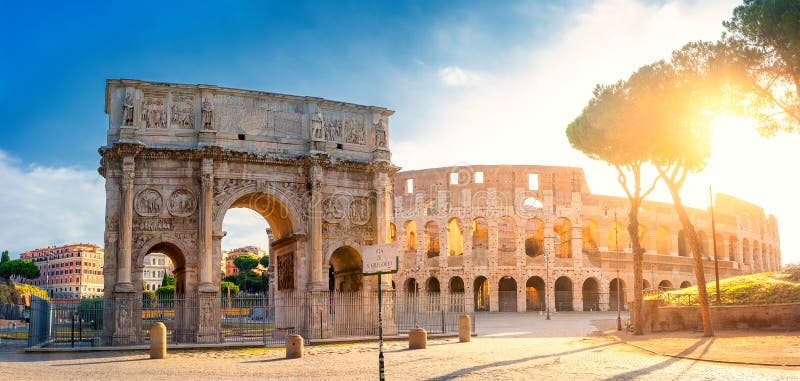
{"x":464,"y":329}
{"x":158,"y":341}
{"x":417,"y":338}
{"x":294,"y":346}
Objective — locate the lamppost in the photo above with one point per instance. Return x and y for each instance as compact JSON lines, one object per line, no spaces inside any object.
{"x":619,"y":286}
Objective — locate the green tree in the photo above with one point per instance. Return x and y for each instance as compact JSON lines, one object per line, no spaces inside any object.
{"x":225,"y":286}
{"x":5,"y":257}
{"x":165,"y":292}
{"x":693,"y":92}
{"x":614,"y":127}
{"x":264,"y":261}
{"x":763,"y":44}
{"x":167,"y":280}
{"x":245,"y":262}
{"x":231,"y":278}
{"x":19,"y":267}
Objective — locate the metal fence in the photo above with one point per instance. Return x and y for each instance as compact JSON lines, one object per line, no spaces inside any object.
{"x":726,"y":298}
{"x":61,"y":323}
{"x":246,"y":318}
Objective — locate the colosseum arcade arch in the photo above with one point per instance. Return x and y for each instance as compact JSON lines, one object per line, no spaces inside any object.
{"x":616,"y":294}
{"x":563,"y":293}
{"x":534,"y":294}
{"x":481,"y":290}
{"x":507,"y":294}
{"x":179,"y":156}
{"x":591,"y":295}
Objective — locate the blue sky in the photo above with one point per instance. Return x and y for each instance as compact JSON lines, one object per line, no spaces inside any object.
{"x":59,"y":54}
{"x":471,"y":82}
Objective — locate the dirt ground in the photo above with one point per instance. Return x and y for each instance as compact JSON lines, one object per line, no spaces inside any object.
{"x":761,"y":347}
{"x":509,"y":347}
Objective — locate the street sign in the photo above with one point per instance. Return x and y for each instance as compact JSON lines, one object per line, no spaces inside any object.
{"x":379,"y":259}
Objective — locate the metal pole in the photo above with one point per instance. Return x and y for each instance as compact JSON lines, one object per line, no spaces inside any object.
{"x":380,"y":330}
{"x":619,"y":283}
{"x":714,"y":241}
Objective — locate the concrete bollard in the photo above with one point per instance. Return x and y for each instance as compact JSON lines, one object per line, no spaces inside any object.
{"x":294,"y":346}
{"x":464,"y":329}
{"x":158,"y":341}
{"x":417,"y":338}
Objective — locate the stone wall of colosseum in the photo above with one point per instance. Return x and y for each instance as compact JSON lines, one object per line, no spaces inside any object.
{"x":493,"y":231}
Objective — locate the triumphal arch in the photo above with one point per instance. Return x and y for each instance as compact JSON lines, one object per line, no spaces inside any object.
{"x":179,"y":156}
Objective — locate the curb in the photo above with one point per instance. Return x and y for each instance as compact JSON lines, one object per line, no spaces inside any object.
{"x":223,"y":346}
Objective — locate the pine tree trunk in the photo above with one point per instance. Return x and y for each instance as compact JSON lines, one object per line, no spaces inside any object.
{"x":638,"y":259}
{"x":694,"y":244}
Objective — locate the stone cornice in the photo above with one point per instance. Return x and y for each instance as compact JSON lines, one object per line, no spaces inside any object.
{"x":119,"y":150}
{"x":165,"y":86}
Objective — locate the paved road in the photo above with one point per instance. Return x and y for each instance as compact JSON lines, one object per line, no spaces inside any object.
{"x":510,"y":346}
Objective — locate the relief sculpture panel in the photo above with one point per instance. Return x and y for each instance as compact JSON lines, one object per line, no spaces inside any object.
{"x":154,"y":114}
{"x":259,"y":116}
{"x":182,"y":111}
{"x":148,"y":203}
{"x":182,"y":203}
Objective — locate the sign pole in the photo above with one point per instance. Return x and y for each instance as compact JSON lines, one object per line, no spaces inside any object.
{"x":379,"y":260}
{"x":380,"y":329}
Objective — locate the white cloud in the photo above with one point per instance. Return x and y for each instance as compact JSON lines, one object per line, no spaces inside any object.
{"x":456,"y":76}
{"x":49,"y":205}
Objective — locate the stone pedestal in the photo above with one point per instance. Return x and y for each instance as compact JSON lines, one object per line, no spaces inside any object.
{"x":294,"y":346}
{"x":158,"y":341}
{"x":417,"y":339}
{"x":125,"y":327}
{"x":208,"y":320}
{"x":464,"y":328}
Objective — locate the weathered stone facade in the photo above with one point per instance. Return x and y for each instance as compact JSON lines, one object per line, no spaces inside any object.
{"x":486,"y":230}
{"x":179,"y":156}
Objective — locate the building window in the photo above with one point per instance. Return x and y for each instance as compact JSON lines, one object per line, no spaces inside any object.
{"x":409,"y":186}
{"x":478,"y":177}
{"x":533,"y":181}
{"x":454,"y":178}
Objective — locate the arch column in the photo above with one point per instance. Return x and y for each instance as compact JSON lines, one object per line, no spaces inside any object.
{"x":124,"y":266}
{"x":316,"y":267}
{"x":206,"y":226}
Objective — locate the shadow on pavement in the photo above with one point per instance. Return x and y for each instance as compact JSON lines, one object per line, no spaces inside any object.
{"x":644,"y":371}
{"x":466,"y":371}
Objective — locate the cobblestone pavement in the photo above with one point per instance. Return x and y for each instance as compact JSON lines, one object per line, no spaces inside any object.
{"x":510,"y":346}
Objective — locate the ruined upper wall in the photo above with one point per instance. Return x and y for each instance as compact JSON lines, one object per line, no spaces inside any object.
{"x":172,"y":115}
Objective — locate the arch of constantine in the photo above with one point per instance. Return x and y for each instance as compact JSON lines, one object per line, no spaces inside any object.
{"x":488,"y":231}
{"x":179,"y":156}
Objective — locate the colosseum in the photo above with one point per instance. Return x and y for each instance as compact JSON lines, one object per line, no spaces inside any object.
{"x":502,"y":233}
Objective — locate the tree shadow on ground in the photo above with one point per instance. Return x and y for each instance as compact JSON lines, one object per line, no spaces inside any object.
{"x":673,"y":359}
{"x":466,"y":371}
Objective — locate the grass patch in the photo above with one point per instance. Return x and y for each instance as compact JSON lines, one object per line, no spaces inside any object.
{"x":14,"y":336}
{"x":761,"y":288}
